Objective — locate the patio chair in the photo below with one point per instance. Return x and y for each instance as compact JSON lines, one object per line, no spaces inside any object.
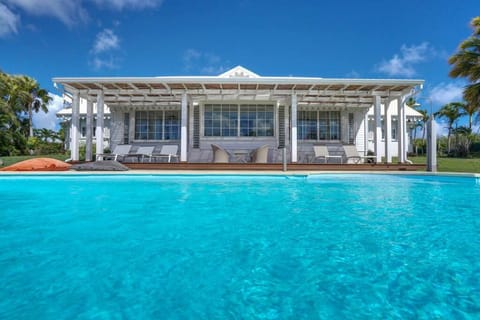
{"x":120,"y":152}
{"x":145,"y":152}
{"x":168,"y":151}
{"x":219,"y":154}
{"x":321,"y":152}
{"x":353,"y":156}
{"x":260,"y":155}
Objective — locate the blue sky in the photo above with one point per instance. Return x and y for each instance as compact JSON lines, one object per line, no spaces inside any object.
{"x":330,"y":39}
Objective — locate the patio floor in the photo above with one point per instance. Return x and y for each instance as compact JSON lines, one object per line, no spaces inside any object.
{"x":275,"y":167}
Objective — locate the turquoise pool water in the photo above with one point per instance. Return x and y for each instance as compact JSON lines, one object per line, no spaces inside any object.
{"x":239,"y":247}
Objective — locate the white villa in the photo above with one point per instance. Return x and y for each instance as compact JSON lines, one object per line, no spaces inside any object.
{"x":65,"y":116}
{"x":240,"y":110}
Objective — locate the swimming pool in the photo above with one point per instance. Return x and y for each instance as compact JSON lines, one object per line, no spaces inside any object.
{"x":331,"y":246}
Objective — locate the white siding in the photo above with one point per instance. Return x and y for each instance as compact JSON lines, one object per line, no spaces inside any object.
{"x":360,"y":130}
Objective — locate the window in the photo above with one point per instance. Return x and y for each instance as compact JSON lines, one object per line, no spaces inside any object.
{"x":318,"y":125}
{"x":232,"y":120}
{"x":256,"y":121}
{"x":371,"y":129}
{"x":157,"y":125}
{"x":83,"y":128}
{"x":394,"y":125}
{"x":307,"y":125}
{"x":221,"y":120}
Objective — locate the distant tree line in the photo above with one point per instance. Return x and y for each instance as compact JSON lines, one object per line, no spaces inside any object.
{"x":460,"y":140}
{"x":20,"y":97}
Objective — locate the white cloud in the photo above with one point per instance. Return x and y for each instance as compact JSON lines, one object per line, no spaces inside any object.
{"x":403,"y":64}
{"x":8,"y":21}
{"x":132,"y":4}
{"x":104,"y":48}
{"x":203,"y":62}
{"x":444,"y":93}
{"x":104,"y":63}
{"x":441,"y":128}
{"x":106,"y":40}
{"x":69,"y":12}
{"x":353,"y":75}
{"x":49,"y":120}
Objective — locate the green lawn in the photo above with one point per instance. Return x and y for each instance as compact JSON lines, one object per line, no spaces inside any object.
{"x":452,"y":164}
{"x":11,"y":160}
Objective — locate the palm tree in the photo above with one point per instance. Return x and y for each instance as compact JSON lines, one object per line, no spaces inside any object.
{"x":469,"y":109}
{"x":29,"y":97}
{"x":452,"y":112}
{"x":472,"y":96}
{"x":466,"y":64}
{"x":424,"y":120}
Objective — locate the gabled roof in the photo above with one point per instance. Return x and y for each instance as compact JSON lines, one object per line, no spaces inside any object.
{"x":239,"y":72}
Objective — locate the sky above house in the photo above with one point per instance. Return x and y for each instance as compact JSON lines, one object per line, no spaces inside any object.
{"x":373,"y":39}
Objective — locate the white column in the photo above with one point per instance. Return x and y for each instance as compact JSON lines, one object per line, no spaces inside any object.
{"x":377,"y":139}
{"x":401,"y":130}
{"x":431,"y":145}
{"x":405,"y":133}
{"x":89,"y":133}
{"x":387,"y":128}
{"x":75,"y":129}
{"x":365,"y":133}
{"x":293,"y":130}
{"x":183,"y":132}
{"x":99,"y":129}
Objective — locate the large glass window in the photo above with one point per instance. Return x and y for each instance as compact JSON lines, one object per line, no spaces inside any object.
{"x":307,"y":125}
{"x":318,"y":125}
{"x":232,"y":120}
{"x":157,"y":125}
{"x":221,"y":120}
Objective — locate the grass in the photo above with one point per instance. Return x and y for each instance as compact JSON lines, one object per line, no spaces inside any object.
{"x":11,"y":160}
{"x":445,"y":164}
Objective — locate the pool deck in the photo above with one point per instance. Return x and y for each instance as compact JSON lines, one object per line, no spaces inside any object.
{"x":269,"y":167}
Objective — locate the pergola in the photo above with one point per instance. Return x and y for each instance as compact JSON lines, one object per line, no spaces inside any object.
{"x":180,"y":92}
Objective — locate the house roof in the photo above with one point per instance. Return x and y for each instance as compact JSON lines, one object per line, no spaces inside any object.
{"x":239,"y":84}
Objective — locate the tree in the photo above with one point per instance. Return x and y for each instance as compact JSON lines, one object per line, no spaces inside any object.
{"x":29,"y":98}
{"x":424,"y":120}
{"x":11,"y":136}
{"x":466,"y":64}
{"x":452,"y":112}
{"x":20,"y":96}
{"x":469,"y":109}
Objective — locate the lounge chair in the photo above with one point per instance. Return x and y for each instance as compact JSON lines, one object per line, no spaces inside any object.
{"x":260,"y":155}
{"x":353,"y":156}
{"x":120,"y":152}
{"x":321,"y":152}
{"x":168,"y":151}
{"x":219,"y":154}
{"x":145,"y":152}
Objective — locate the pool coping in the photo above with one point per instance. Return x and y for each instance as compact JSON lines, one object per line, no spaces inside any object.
{"x":231,"y":172}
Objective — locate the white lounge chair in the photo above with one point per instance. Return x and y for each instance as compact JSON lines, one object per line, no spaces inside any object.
{"x":119,"y":152}
{"x":145,"y":152}
{"x":168,"y":151}
{"x":353,"y":156}
{"x":219,"y":154}
{"x":260,"y":155}
{"x":321,"y":152}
